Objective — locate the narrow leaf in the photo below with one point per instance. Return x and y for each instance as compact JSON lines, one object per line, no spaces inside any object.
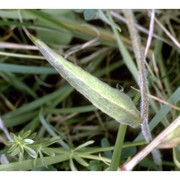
{"x":24,"y":134}
{"x":72,"y":166}
{"x":172,"y":140}
{"x":28,"y":164}
{"x":176,"y":156}
{"x":15,"y":151}
{"x":31,"y":151}
{"x":80,"y":160}
{"x":109,"y":100}
{"x":84,"y":145}
{"x":103,"y":17}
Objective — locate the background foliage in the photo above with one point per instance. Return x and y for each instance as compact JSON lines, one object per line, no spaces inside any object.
{"x":34,"y":97}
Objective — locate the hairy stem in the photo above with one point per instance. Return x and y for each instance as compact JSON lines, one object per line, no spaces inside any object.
{"x":140,"y":59}
{"x":142,"y":73}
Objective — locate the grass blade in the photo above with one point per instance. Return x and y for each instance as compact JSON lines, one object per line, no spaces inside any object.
{"x":24,"y":69}
{"x":29,"y":164}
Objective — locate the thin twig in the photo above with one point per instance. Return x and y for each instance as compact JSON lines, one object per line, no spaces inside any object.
{"x":90,"y":43}
{"x":158,"y":140}
{"x":9,"y":45}
{"x":168,"y":33}
{"x":139,"y":27}
{"x":20,"y":55}
{"x":150,"y":33}
{"x":159,"y":100}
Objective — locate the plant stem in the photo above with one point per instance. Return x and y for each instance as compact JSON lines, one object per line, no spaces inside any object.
{"x":140,"y":59}
{"x":118,"y":147}
{"x":142,"y":73}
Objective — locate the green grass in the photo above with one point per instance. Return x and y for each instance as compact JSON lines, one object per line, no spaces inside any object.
{"x":33,"y":96}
